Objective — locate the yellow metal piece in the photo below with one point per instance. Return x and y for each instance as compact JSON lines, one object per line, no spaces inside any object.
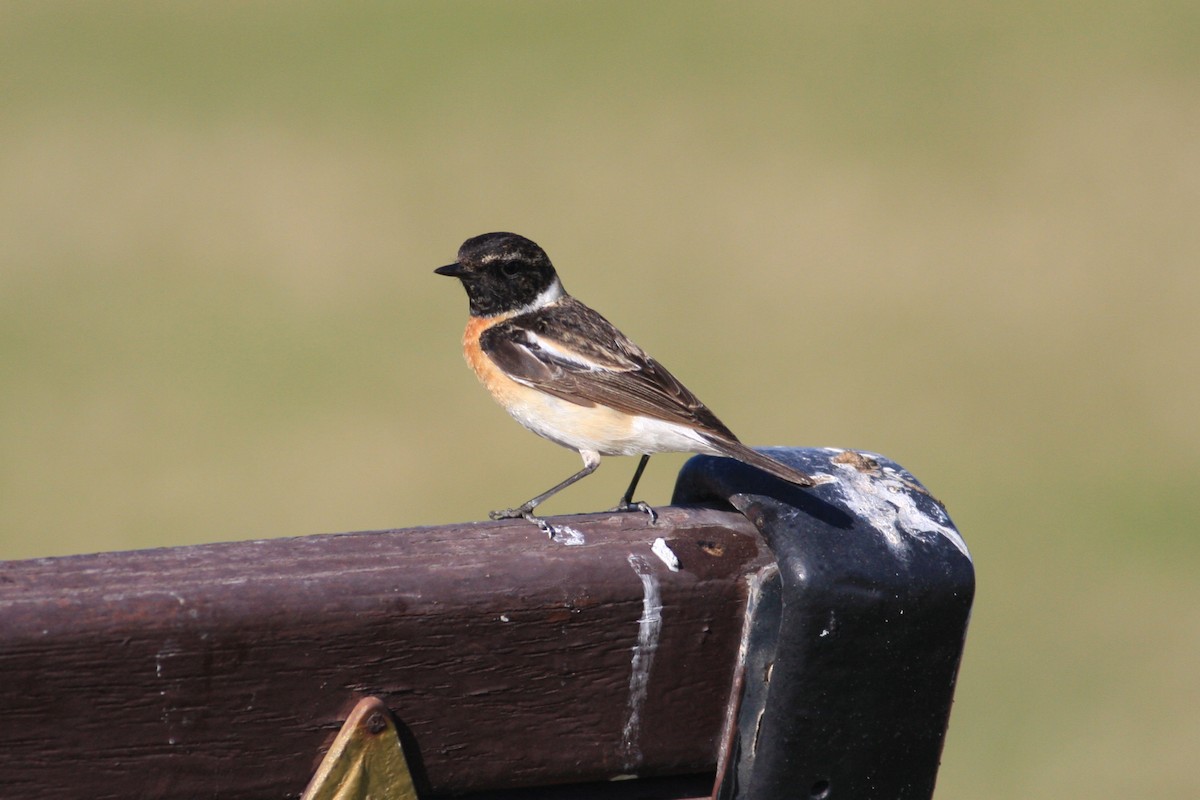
{"x":366,"y":761}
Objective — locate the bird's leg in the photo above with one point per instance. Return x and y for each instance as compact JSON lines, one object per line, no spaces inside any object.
{"x":525,"y":510}
{"x":627,"y":499}
{"x":627,"y":502}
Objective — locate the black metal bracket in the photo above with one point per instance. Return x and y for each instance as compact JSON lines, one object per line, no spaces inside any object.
{"x":853,"y":638}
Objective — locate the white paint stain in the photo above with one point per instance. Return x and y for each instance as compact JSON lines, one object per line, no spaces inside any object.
{"x":663,"y":550}
{"x":888,"y":502}
{"x":649,"y":628}
{"x":568,"y":536}
{"x":170,"y":649}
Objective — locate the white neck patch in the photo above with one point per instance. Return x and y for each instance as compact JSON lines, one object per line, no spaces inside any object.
{"x":551,"y":294}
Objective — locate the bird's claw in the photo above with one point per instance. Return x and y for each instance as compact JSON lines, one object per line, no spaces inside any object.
{"x":627,"y":505}
{"x":525,"y":514}
{"x":545,"y":527}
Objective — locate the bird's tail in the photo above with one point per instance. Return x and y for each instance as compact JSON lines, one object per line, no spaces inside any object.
{"x":739,"y":451}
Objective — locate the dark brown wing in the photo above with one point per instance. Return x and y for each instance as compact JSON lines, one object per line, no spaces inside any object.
{"x":570,"y":351}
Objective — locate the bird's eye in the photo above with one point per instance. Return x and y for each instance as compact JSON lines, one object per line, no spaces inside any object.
{"x":510,"y":268}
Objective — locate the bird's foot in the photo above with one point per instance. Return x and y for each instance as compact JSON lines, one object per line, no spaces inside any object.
{"x":638,"y":505}
{"x":521,"y":512}
{"x":510,"y":513}
{"x":542,"y":524}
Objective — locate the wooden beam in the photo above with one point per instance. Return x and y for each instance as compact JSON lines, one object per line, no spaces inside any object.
{"x":509,"y":660}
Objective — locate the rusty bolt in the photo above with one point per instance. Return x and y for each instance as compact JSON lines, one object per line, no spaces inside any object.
{"x":376,"y":723}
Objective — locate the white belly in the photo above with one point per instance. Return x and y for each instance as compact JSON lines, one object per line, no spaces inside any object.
{"x":603,"y":430}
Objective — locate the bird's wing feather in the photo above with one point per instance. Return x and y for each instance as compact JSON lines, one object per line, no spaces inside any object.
{"x":571,"y":352}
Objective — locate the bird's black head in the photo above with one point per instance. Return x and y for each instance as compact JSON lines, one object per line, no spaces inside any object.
{"x":504,"y":272}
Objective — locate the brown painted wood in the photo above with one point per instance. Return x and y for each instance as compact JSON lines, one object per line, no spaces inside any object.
{"x":224,"y":670}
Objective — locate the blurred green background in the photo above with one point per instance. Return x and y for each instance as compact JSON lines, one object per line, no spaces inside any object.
{"x":964,"y":235}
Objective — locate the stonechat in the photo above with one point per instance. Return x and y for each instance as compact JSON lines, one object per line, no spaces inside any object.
{"x":567,"y":374}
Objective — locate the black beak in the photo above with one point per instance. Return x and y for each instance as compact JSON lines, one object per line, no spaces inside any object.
{"x":453,"y":270}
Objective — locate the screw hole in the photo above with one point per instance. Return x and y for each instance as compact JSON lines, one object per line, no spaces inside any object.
{"x":819,"y":790}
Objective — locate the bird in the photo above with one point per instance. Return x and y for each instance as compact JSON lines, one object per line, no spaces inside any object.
{"x":566,"y":373}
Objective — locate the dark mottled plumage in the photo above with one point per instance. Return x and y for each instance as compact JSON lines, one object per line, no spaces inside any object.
{"x":631,"y":381}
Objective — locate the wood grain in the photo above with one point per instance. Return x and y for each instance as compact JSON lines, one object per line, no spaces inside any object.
{"x":224,"y":670}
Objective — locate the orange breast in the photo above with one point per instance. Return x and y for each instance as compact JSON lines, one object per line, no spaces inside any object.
{"x":580,"y":427}
{"x":500,"y":385}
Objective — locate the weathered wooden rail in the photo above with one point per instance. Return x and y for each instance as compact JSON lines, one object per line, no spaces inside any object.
{"x":508,"y":660}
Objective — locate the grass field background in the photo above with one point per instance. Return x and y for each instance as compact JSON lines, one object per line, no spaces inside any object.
{"x":963,"y":235}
